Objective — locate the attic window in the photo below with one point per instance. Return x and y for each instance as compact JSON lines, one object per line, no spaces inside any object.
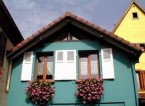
{"x":135,"y":15}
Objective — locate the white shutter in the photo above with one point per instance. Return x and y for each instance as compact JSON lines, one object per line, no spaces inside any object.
{"x":71,"y":65}
{"x":107,"y":63}
{"x":59,"y":65}
{"x":65,"y":65}
{"x":27,"y":66}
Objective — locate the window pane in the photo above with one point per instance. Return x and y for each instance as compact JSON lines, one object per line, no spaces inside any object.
{"x":59,"y":56}
{"x":135,"y":15}
{"x":106,"y":54}
{"x":70,"y":55}
{"x":94,"y":65}
{"x":138,"y":82}
{"x":50,"y":62}
{"x":40,"y":67}
{"x":84,"y":67}
{"x":27,"y":56}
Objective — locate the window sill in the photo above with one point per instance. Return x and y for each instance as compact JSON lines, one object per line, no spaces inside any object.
{"x":51,"y":81}
{"x":141,"y":95}
{"x":77,"y":81}
{"x":141,"y":91}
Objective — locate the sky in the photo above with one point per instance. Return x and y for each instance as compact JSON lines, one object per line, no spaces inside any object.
{"x":32,"y":15}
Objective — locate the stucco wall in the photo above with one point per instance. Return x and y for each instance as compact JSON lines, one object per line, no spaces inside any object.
{"x":119,"y":91}
{"x":133,"y":31}
{"x":3,"y":94}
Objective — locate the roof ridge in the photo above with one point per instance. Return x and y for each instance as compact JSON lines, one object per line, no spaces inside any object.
{"x":79,"y":19}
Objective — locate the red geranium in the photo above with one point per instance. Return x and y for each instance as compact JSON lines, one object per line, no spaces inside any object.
{"x":90,"y":90}
{"x":39,"y":92}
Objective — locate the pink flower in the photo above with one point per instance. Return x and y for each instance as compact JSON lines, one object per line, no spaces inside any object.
{"x":39,"y":92}
{"x":90,"y":90}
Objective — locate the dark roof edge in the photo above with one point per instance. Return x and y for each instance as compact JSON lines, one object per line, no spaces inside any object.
{"x":12,"y":25}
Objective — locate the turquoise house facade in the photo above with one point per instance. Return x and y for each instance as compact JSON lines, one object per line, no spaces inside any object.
{"x":73,"y":49}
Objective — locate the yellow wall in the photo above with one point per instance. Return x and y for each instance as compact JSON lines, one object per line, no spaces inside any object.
{"x":141,"y":64}
{"x":133,"y":30}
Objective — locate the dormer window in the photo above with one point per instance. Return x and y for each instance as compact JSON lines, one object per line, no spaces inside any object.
{"x":135,"y":15}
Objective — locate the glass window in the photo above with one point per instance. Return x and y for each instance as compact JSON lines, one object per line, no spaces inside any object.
{"x":135,"y":15}
{"x":88,"y":64}
{"x":138,"y":81}
{"x":83,"y":67}
{"x":44,"y":66}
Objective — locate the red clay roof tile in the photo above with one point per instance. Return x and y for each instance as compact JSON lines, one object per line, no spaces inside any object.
{"x":46,"y":27}
{"x":126,"y":42}
{"x":41,"y":30}
{"x":29,"y":38}
{"x":15,"y":48}
{"x":120,"y":39}
{"x":51,"y":24}
{"x":90,"y":24}
{"x":101,"y":29}
{"x":62,"y":17}
{"x":73,"y":16}
{"x":35,"y":34}
{"x":56,"y":20}
{"x":20,"y":44}
{"x":68,"y":14}
{"x":79,"y":19}
{"x":95,"y":27}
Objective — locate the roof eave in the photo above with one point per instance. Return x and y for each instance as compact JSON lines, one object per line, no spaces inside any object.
{"x":36,"y":40}
{"x":82,"y":24}
{"x":10,"y":28}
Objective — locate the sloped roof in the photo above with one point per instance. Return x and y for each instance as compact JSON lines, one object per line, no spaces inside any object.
{"x":121,"y":19}
{"x":82,"y":24}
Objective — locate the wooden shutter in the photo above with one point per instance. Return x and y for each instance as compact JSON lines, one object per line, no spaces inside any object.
{"x":142,"y":79}
{"x":27,"y":66}
{"x":107,"y":63}
{"x":65,"y":65}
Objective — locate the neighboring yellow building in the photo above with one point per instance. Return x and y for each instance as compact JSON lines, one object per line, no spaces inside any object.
{"x":131,"y":27}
